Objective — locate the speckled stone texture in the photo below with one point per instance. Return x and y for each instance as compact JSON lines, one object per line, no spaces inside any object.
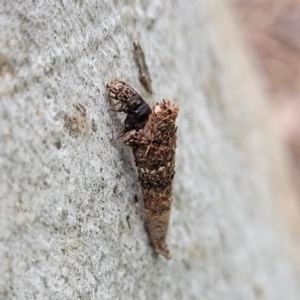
{"x":71,"y":213}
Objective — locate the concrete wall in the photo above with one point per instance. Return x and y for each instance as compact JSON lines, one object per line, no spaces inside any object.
{"x":71,"y":211}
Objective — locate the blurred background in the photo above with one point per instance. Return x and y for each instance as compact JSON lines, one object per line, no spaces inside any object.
{"x":272,"y":29}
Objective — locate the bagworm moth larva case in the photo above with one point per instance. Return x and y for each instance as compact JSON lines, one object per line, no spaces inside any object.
{"x":153,"y":144}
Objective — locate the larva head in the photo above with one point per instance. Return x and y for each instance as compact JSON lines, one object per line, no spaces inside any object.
{"x":120,"y":91}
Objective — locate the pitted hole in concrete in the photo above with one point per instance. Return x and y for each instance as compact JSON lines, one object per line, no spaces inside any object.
{"x":5,"y":66}
{"x":94,"y":126}
{"x":77,"y":123}
{"x":57,"y":144}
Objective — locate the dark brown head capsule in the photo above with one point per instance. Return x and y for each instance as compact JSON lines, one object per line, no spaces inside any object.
{"x":131,"y":103}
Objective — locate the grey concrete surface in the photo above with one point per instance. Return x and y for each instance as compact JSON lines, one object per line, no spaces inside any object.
{"x":71,"y":213}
